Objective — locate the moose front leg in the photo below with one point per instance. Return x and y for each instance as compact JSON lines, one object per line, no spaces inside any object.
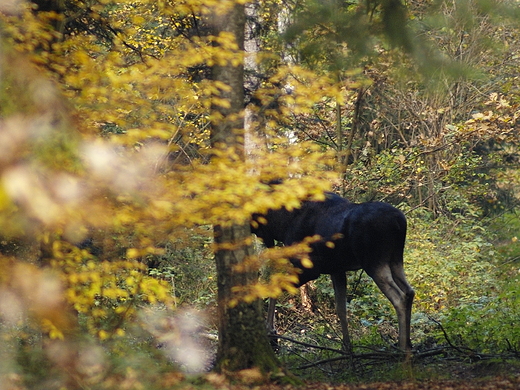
{"x":270,"y":316}
{"x":339,"y":282}
{"x":271,"y":329}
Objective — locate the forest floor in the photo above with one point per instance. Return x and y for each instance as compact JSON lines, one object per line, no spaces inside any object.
{"x":495,"y":383}
{"x":450,"y":370}
{"x":438,"y":374}
{"x":445,"y":375}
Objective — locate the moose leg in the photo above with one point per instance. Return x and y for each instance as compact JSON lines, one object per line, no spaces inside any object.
{"x":400,"y":279}
{"x":339,"y":282}
{"x":270,"y":316}
{"x":271,"y":331}
{"x":400,"y":294}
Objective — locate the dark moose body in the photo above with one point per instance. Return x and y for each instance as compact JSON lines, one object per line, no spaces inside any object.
{"x":368,"y":236}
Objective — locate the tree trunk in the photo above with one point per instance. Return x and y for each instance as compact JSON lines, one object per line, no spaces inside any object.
{"x":243,"y":341}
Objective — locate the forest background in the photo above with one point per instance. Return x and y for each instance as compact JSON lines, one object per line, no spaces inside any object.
{"x":111,"y":180}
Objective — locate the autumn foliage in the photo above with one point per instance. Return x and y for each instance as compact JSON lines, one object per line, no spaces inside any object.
{"x":108,"y":170}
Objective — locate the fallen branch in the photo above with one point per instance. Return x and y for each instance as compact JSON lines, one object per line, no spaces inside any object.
{"x":339,"y":351}
{"x":378,"y":356}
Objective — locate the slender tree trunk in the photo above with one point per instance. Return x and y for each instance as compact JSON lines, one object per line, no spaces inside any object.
{"x":243,"y":341}
{"x":252,"y":80}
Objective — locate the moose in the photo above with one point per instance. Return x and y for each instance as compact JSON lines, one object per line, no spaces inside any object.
{"x":352,"y":236}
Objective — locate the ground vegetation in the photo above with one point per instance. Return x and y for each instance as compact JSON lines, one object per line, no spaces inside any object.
{"x":124,"y":154}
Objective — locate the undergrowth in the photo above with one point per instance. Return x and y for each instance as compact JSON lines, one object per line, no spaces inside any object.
{"x":466,"y":276}
{"x":465,"y":273}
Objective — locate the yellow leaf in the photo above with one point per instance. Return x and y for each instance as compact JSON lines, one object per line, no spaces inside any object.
{"x":137,"y":19}
{"x":132,"y":253}
{"x":307,"y":263}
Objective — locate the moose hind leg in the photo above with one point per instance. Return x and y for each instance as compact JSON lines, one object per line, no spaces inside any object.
{"x":400,"y":294}
{"x":400,"y":278}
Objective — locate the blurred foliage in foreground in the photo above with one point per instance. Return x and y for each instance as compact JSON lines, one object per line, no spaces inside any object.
{"x":107,"y":190}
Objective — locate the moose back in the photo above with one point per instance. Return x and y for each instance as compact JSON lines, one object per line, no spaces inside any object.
{"x":369,"y":236}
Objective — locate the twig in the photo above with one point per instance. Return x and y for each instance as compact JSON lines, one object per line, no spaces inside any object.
{"x":468,"y":352}
{"x":320,"y":362}
{"x":458,"y":349}
{"x":308,"y":344}
{"x":512,"y":260}
{"x":375,"y":356}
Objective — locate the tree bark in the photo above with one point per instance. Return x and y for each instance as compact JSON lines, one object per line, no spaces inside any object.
{"x":243,"y":341}
{"x":227,"y":127}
